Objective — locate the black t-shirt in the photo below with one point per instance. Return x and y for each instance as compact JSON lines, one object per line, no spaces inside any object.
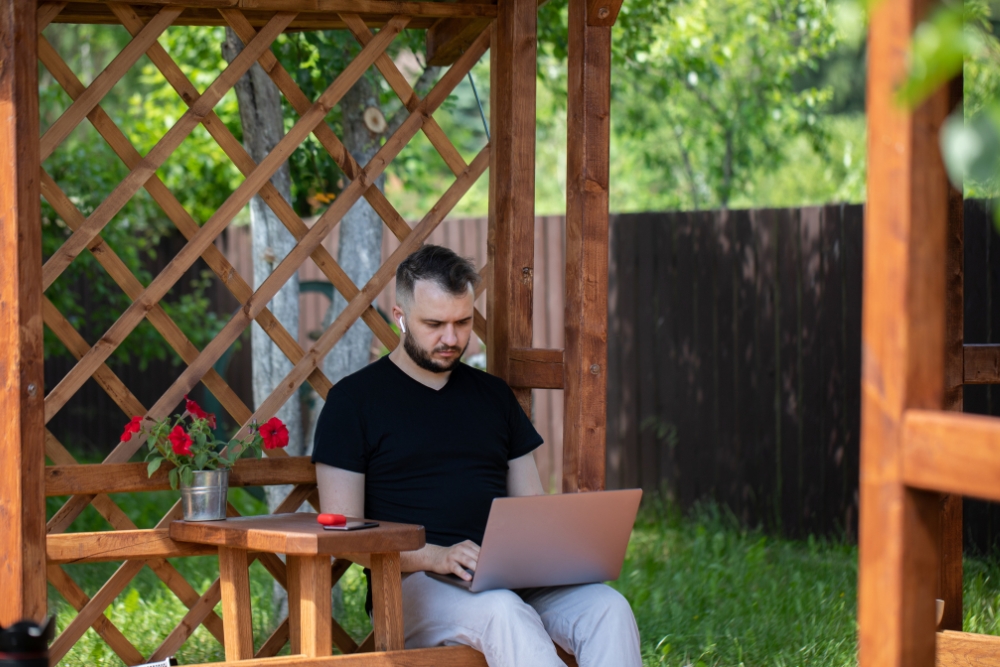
{"x":436,"y":458}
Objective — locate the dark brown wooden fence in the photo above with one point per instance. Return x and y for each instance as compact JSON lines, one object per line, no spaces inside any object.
{"x":735,"y":358}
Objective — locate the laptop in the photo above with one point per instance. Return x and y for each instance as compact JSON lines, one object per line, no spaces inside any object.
{"x":557,"y":540}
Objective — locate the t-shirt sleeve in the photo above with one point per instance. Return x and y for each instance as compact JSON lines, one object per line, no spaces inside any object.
{"x":340,"y":435}
{"x":523,"y":436}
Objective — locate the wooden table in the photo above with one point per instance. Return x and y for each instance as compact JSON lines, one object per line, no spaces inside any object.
{"x":308,"y":548}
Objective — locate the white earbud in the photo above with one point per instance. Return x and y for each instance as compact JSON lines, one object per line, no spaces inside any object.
{"x":401,"y":325}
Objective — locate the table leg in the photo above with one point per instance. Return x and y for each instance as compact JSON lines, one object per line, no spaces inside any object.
{"x":237,"y":622}
{"x":309,"y":620}
{"x":387,"y":602}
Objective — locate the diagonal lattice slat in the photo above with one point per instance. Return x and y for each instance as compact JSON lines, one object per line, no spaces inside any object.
{"x":235,"y":151}
{"x":86,"y":236}
{"x":175,"y":211}
{"x":130,"y":318}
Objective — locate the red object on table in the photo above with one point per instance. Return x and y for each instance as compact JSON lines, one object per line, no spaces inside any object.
{"x":332,"y":519}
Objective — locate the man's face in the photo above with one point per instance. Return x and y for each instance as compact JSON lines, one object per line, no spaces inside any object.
{"x":438,"y":326}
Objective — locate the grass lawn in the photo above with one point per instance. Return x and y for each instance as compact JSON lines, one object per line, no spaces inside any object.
{"x":705,"y":593}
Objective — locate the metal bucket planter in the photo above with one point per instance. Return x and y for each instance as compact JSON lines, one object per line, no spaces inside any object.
{"x":205,"y":498}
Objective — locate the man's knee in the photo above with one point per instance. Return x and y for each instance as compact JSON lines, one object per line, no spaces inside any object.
{"x":607,"y":607}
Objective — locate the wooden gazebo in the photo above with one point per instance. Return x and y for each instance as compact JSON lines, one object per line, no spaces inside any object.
{"x":458,"y":34}
{"x":919,"y":454}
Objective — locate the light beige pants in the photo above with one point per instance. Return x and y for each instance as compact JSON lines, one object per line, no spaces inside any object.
{"x":593,"y":622}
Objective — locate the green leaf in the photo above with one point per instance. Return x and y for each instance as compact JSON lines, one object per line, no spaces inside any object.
{"x":200,"y":460}
{"x":153,"y":466}
{"x":173,"y":479}
{"x":187,"y":477}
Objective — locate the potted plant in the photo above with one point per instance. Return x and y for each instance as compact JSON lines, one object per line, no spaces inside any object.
{"x":201,"y":462}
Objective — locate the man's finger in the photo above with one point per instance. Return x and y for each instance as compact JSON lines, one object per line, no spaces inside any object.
{"x":460,"y":571}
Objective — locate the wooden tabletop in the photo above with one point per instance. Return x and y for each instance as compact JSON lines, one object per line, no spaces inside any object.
{"x":298,"y":534}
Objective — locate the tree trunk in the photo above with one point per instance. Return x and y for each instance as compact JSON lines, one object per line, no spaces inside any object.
{"x":360,"y":249}
{"x":263,"y":127}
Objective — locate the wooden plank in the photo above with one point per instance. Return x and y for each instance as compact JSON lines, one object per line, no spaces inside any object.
{"x":725,"y":407}
{"x":534,"y":367}
{"x":384,"y":7}
{"x":788,"y":408}
{"x":744,"y":419}
{"x":603,"y":12}
{"x":234,"y":576}
{"x":645,"y":342}
{"x":626,"y":315}
{"x":103,"y":626}
{"x":118,"y":545}
{"x":198,"y":612}
{"x":65,"y":480}
{"x":309,"y":605}
{"x":512,"y":186}
{"x":965,"y":649}
{"x":981,"y":364}
{"x":297,"y":534}
{"x":952,"y":453}
{"x":588,"y":126}
{"x":442,"y":656}
{"x":448,"y":38}
{"x":950,"y":586}
{"x":387,"y":602}
{"x":905,"y":240}
{"x":275,"y":642}
{"x":22,"y":503}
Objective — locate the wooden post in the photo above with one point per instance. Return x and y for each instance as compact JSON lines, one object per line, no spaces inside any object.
{"x":234,"y":579}
{"x":511,"y":239}
{"x":954,"y":378}
{"x":22,"y":426}
{"x":586,"y":349}
{"x":387,"y":602}
{"x":903,"y":340}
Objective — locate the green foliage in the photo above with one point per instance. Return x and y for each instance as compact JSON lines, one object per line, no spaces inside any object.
{"x":958,"y":38}
{"x":717,"y":85}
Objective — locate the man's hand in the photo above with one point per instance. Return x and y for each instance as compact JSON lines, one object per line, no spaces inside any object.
{"x":456,"y":559}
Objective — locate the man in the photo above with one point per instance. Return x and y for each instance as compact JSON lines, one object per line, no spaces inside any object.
{"x":419,"y":437}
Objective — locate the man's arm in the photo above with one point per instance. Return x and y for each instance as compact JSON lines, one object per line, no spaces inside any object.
{"x":522,"y":477}
{"x":343,"y":492}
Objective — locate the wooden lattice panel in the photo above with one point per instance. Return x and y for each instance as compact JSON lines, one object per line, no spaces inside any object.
{"x":90,"y":485}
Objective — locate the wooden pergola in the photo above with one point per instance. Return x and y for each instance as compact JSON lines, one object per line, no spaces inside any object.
{"x":458,"y":35}
{"x":919,"y":454}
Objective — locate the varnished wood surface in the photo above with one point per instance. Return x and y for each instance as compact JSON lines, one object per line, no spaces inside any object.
{"x":234,"y":577}
{"x":511,"y":237}
{"x":586,"y":350}
{"x":445,"y":656}
{"x":982,"y":364}
{"x":387,"y":602}
{"x":536,"y":368}
{"x":952,"y":453}
{"x":22,"y":432}
{"x":64,"y":480}
{"x":309,"y":605}
{"x":297,"y":534}
{"x":965,"y":649}
{"x":116,"y":545}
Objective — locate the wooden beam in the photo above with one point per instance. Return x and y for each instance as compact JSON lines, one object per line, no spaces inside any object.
{"x":511,"y":237}
{"x":442,"y":656}
{"x":950,"y":585}
{"x":586,"y":354}
{"x":447,"y":39}
{"x":962,"y":649}
{"x":905,"y":240}
{"x":116,"y":545}
{"x":536,"y":368}
{"x":98,"y":478}
{"x":22,"y":426}
{"x":603,"y":12}
{"x":952,"y":453}
{"x":234,"y":582}
{"x":982,"y":364}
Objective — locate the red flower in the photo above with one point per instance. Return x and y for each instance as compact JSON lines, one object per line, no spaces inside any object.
{"x":274,"y":432}
{"x":133,"y":426}
{"x":180,"y":441}
{"x":196,"y":411}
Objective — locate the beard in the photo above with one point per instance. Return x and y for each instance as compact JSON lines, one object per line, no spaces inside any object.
{"x":422,"y":357}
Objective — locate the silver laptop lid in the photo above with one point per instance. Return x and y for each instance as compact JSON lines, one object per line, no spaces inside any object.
{"x":572,"y":538}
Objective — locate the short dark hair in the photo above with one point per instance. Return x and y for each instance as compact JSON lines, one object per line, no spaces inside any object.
{"x":436,"y":263}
